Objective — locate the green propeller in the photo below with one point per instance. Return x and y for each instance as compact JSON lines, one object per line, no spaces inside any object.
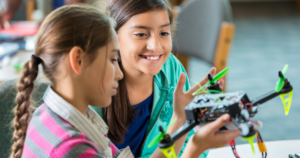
{"x":221,"y":74}
{"x":280,"y":82}
{"x":212,"y":80}
{"x":158,"y":138}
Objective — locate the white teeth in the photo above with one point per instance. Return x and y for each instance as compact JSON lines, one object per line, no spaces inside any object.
{"x":153,"y":58}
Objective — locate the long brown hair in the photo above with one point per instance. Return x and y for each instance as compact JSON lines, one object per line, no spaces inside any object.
{"x":120,"y":114}
{"x":69,"y":26}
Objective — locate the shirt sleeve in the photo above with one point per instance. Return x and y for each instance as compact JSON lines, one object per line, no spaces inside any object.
{"x":76,"y":147}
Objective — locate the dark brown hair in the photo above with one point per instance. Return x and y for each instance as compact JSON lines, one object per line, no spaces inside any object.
{"x":69,"y":26}
{"x":120,"y":114}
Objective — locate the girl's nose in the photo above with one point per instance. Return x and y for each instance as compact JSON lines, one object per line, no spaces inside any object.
{"x":154,"y":44}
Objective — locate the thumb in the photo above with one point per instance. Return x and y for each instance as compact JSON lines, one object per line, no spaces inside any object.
{"x":220,"y":122}
{"x":180,"y":84}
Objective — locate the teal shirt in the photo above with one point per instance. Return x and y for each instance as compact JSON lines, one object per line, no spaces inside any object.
{"x":164,"y":85}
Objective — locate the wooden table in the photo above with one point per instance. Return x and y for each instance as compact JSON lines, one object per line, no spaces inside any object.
{"x":275,"y":149}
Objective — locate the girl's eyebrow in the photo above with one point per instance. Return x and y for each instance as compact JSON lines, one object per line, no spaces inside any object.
{"x":140,"y":27}
{"x":146,"y":27}
{"x":116,"y":50}
{"x":168,"y":24}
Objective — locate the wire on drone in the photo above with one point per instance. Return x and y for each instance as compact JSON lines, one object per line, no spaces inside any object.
{"x":232,"y":144}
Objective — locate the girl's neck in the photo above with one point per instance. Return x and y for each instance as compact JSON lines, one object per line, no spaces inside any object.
{"x":139,"y":85}
{"x":138,"y":80}
{"x":70,"y":94}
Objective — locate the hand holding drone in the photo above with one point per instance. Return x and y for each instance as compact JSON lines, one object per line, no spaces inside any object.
{"x":208,"y":107}
{"x":210,"y":136}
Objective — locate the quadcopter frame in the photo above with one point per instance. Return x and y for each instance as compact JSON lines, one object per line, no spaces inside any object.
{"x":208,"y":107}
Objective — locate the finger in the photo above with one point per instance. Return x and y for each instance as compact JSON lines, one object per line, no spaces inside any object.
{"x":212,"y":71}
{"x":225,"y":131}
{"x":180,"y":84}
{"x":220,"y":122}
{"x":221,"y":82}
{"x":228,"y":136}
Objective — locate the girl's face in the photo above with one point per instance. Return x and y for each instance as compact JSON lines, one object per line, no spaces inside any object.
{"x":145,"y":42}
{"x":103,"y":74}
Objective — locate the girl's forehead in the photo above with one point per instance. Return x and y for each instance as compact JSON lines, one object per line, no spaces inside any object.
{"x":155,"y":18}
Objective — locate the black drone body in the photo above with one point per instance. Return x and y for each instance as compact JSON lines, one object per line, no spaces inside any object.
{"x":209,"y":107}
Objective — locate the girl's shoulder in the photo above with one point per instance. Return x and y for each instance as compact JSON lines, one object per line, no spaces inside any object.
{"x":172,"y":63}
{"x":44,"y":120}
{"x":171,"y":71}
{"x":48,"y":135}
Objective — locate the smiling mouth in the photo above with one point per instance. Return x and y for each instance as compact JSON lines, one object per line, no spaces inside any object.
{"x":151,"y":57}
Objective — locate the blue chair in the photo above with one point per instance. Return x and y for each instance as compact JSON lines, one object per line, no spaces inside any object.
{"x":204,"y":30}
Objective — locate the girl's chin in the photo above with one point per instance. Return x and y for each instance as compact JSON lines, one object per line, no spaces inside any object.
{"x":152,"y":72}
{"x":104,"y":103}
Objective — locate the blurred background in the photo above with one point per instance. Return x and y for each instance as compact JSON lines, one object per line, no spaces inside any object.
{"x":255,"y":38}
{"x":267,"y":36}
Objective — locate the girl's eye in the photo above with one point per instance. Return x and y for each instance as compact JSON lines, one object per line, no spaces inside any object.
{"x":141,"y":34}
{"x":117,"y":59}
{"x":165,"y":33}
{"x":114,"y":60}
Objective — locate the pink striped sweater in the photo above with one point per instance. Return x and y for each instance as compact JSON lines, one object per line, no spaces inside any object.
{"x":50,"y":134}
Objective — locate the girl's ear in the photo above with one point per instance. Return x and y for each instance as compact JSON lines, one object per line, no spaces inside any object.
{"x":76,"y":59}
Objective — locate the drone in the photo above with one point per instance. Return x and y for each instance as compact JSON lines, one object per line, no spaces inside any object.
{"x":210,"y":106}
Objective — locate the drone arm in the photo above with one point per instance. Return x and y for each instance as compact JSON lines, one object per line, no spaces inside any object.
{"x":264,"y":98}
{"x":183,"y":130}
{"x":260,"y":100}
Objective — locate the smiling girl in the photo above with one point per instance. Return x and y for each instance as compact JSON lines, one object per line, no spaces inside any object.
{"x":147,"y":97}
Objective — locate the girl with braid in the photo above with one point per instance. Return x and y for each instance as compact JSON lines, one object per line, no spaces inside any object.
{"x":78,"y":50}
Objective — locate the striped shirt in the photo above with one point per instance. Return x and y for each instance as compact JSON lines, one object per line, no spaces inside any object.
{"x":57,"y":129}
